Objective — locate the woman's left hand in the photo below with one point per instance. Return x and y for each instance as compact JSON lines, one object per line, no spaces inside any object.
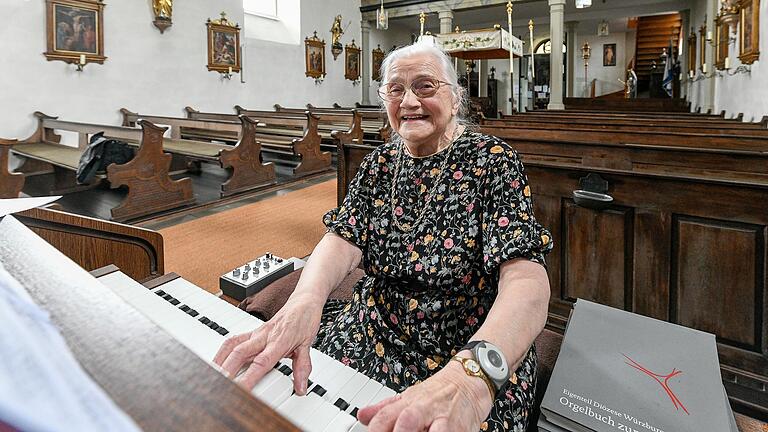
{"x":450,"y":400}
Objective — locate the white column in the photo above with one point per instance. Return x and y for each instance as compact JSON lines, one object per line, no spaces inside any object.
{"x":556,"y":12}
{"x":446,"y":21}
{"x":570,"y":55}
{"x":365,"y":79}
{"x":709,"y":87}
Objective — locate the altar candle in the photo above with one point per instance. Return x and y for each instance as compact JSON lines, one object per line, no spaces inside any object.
{"x":704,"y":68}
{"x":230,"y":69}
{"x":727,"y":63}
{"x":82,"y":59}
{"x":709,"y":35}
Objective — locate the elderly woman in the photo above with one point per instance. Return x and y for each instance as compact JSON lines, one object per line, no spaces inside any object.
{"x":455,"y":291}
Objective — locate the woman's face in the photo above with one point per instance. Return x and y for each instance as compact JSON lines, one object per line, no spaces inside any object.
{"x":420,"y":122}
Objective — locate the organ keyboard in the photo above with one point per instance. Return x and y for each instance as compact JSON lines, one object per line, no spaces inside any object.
{"x":201,"y":322}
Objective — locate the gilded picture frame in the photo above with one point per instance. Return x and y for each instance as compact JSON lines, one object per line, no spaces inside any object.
{"x":377,"y":58}
{"x":75,"y":31}
{"x":702,"y":47}
{"x":314,"y":56}
{"x":352,"y":62}
{"x":223,"y":45}
{"x":749,"y":31}
{"x":692,"y":52}
{"x":721,"y":46}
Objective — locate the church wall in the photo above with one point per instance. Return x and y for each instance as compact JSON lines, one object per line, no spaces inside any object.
{"x":746,"y":93}
{"x":156,"y":73}
{"x":607,"y":76}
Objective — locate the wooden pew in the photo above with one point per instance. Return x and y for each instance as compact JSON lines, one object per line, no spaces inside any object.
{"x":94,"y":243}
{"x":346,"y":124}
{"x":294,"y":136}
{"x":645,"y":121}
{"x":374,"y":122}
{"x":632,"y":105}
{"x":10,"y":183}
{"x":350,"y":156}
{"x":150,"y":189}
{"x":242,"y":162}
{"x":682,"y":241}
{"x":624,"y":124}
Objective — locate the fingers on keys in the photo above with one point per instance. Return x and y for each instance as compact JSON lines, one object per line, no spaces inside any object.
{"x":229,"y":345}
{"x":302,"y":367}
{"x":366,"y":414}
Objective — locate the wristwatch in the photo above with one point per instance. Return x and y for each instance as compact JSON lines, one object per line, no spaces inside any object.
{"x":489,"y":364}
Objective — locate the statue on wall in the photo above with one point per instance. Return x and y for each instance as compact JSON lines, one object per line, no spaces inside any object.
{"x":163,"y":11}
{"x":336,"y":30}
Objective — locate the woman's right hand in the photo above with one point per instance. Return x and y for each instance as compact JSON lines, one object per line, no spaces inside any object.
{"x":290,"y":333}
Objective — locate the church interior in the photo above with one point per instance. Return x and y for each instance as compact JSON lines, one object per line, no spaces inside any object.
{"x":190,"y":143}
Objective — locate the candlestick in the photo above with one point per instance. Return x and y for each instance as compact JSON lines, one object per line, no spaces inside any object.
{"x":422,"y":18}
{"x":530,"y":30}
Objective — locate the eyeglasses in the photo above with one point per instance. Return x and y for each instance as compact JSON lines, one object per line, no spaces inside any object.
{"x":422,"y":88}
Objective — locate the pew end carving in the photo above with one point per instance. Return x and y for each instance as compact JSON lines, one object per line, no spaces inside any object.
{"x":150,"y":188}
{"x":11,"y":184}
{"x":245,"y":163}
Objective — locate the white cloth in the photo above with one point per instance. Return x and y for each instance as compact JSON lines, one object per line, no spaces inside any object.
{"x":42,"y":386}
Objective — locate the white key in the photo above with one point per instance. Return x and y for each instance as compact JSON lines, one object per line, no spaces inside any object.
{"x":358,"y":427}
{"x":365,"y":395}
{"x":319,"y":419}
{"x":341,"y":423}
{"x":295,"y":407}
{"x":352,"y":387}
{"x":383,"y":393}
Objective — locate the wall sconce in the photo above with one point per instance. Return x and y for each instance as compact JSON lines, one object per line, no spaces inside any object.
{"x":227,"y":74}
{"x":80,"y":63}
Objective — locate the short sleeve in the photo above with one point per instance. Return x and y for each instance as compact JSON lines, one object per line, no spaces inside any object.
{"x":351,"y":219}
{"x":510,"y":229}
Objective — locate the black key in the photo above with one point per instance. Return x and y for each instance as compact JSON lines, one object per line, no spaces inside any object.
{"x":213,"y":325}
{"x":285,"y":370}
{"x":204,"y":320}
{"x":174,"y":301}
{"x":341,"y":404}
{"x":160,"y":293}
{"x":222,"y":331}
{"x":309,"y":383}
{"x":318,"y":390}
{"x":167,"y":296}
{"x":353,"y":413}
{"x":193,"y":312}
{"x":184,"y":307}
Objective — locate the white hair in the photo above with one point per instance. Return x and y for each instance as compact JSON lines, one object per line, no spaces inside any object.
{"x":446,"y":64}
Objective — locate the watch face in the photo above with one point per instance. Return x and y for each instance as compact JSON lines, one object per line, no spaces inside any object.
{"x":492,"y":362}
{"x":472,"y":366}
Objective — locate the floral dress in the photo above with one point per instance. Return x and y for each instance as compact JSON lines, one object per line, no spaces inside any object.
{"x":433,"y":232}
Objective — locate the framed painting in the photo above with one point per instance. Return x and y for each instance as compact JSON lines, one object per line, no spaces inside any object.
{"x":721,"y":49}
{"x":703,"y":48}
{"x":377,"y":58}
{"x":749,"y":22}
{"x":75,"y":31}
{"x":609,"y":54}
{"x":692,"y":53}
{"x":314,"y":53}
{"x":352,"y":62}
{"x":223,"y":45}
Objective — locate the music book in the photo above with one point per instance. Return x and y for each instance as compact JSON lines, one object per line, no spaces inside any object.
{"x":619,"y":371}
